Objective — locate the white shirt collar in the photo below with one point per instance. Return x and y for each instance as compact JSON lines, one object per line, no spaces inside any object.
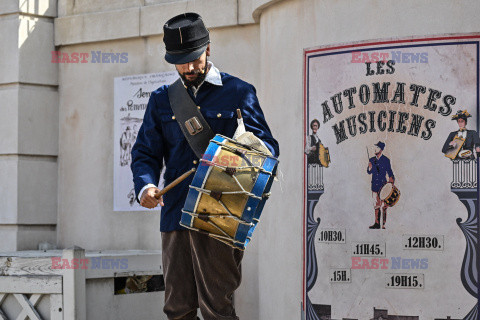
{"x":213,"y":75}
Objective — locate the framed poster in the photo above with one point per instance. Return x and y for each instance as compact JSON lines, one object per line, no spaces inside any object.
{"x":391,"y":222}
{"x":131,"y":95}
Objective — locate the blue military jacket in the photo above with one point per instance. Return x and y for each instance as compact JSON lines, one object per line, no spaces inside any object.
{"x":380,"y":167}
{"x":161,"y":139}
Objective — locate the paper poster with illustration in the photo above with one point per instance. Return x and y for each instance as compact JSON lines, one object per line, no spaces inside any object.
{"x":391,"y":194}
{"x":131,"y":98}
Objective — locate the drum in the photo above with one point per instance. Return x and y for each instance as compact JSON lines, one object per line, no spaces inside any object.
{"x":324,"y":156}
{"x":389,"y":194}
{"x":228,"y":192}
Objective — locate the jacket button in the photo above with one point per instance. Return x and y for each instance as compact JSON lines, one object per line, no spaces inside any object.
{"x":195,"y":161}
{"x":219,"y":115}
{"x":198,"y":107}
{"x":173,"y":117}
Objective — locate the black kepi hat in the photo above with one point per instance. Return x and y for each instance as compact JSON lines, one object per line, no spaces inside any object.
{"x":380,"y":144}
{"x":185,"y":37}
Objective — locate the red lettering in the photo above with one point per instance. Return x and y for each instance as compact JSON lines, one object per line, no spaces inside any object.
{"x":65,"y":264}
{"x":356,"y":263}
{"x":234,"y":161}
{"x":74,"y":264}
{"x":356,"y":57}
{"x":84,"y":264}
{"x":55,"y":55}
{"x":84,"y":56}
{"x":224,"y":160}
{"x":384,"y":263}
{"x":365,"y":264}
{"x":65,"y":58}
{"x":75,"y":58}
{"x":374,"y":264}
{"x":56,"y":263}
{"x":365,"y":57}
{"x":384,"y":56}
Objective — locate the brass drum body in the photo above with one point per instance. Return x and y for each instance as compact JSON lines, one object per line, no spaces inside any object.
{"x":389,"y":194}
{"x":228,"y":192}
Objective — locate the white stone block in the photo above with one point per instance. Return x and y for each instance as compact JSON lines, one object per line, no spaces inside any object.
{"x":38,"y":120}
{"x":47,"y":8}
{"x":97,"y":26}
{"x":37,"y":190}
{"x":153,"y":17}
{"x":8,"y":190}
{"x":28,"y":237}
{"x":245,"y":12}
{"x":35,"y":42}
{"x":8,"y":234}
{"x":69,"y":30}
{"x":9,"y":119}
{"x":88,"y":6}
{"x":29,"y":122}
{"x":29,"y":190}
{"x":64,"y":7}
{"x":9,"y":49}
{"x":8,"y":6}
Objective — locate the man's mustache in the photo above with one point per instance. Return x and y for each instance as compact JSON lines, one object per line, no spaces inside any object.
{"x":194,"y":72}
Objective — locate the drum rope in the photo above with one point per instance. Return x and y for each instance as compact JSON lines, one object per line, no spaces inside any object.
{"x":224,"y":215}
{"x":249,"y":148}
{"x":226,"y":192}
{"x":227,"y":238}
{"x":211,"y":163}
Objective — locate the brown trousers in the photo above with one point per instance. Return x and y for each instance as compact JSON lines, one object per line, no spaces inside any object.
{"x":199,"y":271}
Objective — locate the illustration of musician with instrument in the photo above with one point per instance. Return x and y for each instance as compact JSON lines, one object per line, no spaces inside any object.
{"x":314,"y":149}
{"x":460,"y":143}
{"x":384,"y":193}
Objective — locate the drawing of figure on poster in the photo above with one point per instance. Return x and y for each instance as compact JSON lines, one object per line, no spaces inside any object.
{"x":127,"y":139}
{"x":379,"y":168}
{"x":460,"y":144}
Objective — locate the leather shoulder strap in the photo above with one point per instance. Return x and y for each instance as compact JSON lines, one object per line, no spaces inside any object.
{"x":194,"y":126}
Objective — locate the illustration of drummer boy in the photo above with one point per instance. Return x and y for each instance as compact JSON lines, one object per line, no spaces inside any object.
{"x":379,"y":167}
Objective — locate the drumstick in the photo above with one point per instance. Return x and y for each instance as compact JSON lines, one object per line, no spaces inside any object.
{"x":174,"y":183}
{"x":239,"y":114}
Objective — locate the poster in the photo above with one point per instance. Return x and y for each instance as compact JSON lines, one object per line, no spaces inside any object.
{"x":391,"y":222}
{"x":130,"y":102}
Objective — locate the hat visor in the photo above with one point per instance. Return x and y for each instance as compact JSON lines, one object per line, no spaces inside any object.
{"x":186,"y":57}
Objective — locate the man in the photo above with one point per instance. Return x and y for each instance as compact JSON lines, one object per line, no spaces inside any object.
{"x":379,"y":167}
{"x":471,"y":136}
{"x":199,"y":271}
{"x":313,"y":144}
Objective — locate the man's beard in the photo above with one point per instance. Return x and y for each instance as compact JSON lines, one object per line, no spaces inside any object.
{"x":198,"y":80}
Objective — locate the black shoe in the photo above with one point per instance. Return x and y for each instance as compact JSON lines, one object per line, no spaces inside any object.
{"x":375,"y":226}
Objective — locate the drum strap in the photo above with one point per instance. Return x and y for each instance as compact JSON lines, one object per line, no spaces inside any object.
{"x":194,"y":126}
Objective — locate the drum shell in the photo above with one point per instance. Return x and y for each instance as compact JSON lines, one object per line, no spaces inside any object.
{"x":392,"y":198}
{"x":247,"y":209}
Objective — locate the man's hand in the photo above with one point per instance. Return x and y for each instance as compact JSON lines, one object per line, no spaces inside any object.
{"x":453,"y":144}
{"x":369,"y":166}
{"x":391,"y":180}
{"x":314,"y":148}
{"x":148,"y":199}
